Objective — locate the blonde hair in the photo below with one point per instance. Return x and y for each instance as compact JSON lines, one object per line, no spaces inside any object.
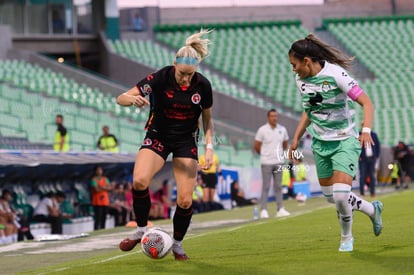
{"x":195,"y":46}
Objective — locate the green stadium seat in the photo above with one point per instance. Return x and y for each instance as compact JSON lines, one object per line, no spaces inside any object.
{"x":382,"y":45}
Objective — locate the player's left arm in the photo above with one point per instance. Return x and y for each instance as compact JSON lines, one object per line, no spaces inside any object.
{"x":208,"y":128}
{"x":368,"y":110}
{"x":350,"y":86}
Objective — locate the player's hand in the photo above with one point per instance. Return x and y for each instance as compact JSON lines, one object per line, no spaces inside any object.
{"x":293,"y":147}
{"x":208,"y":157}
{"x":365,"y":140}
{"x":139,"y":101}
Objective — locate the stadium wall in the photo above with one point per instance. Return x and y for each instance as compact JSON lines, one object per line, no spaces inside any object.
{"x":121,"y":69}
{"x":311,"y":15}
{"x":5,"y":41}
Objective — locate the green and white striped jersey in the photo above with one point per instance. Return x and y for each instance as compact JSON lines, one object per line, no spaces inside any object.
{"x":325,"y":101}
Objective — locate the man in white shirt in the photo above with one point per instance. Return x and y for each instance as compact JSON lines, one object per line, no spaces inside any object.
{"x":270,"y":142}
{"x":48,"y":211}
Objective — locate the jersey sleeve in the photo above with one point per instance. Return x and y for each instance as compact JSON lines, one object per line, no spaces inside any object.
{"x":94,"y":183}
{"x":344,"y":81}
{"x":259,"y":135}
{"x":149,"y":83}
{"x":207,"y":98}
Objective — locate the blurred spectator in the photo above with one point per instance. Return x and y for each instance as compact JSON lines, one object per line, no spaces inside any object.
{"x":402,"y":154}
{"x":108,"y":142}
{"x":118,"y":205}
{"x":61,"y":141}
{"x":57,"y":22}
{"x":210,"y":178}
{"x":395,"y":174}
{"x":100,"y":186}
{"x":162,"y":196}
{"x":8,"y":218}
{"x":288,"y":178}
{"x":67,"y":210}
{"x":137,"y":23}
{"x":238,"y":196}
{"x":367,"y":162}
{"x":3,"y":238}
{"x":157,"y":208}
{"x":129,"y":202}
{"x":20,"y":219}
{"x":48,"y":211}
{"x":198,"y":203}
{"x":300,"y":170}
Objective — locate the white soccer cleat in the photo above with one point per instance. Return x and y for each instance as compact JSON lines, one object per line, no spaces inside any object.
{"x":347,"y":245}
{"x":264,"y":214}
{"x":282,"y":213}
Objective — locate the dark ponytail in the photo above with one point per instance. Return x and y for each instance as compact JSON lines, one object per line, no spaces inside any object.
{"x":319,"y":51}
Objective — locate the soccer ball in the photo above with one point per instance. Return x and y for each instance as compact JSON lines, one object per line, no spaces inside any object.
{"x":301,"y":198}
{"x":156,"y":243}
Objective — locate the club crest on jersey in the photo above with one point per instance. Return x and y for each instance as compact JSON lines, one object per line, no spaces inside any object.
{"x":146,"y":89}
{"x":147,"y":141}
{"x":325,"y":86}
{"x":170,"y":94}
{"x":196,"y":98}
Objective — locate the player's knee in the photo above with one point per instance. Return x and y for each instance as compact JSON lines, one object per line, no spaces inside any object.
{"x":185,"y":203}
{"x":340,"y":198}
{"x":140,"y":183}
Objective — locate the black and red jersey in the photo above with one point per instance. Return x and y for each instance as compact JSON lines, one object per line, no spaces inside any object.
{"x":174,"y":112}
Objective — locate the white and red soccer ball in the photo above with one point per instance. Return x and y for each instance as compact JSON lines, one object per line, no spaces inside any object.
{"x":156,"y":243}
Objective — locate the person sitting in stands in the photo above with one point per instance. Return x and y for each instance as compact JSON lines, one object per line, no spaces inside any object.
{"x":237,"y":195}
{"x":48,"y":211}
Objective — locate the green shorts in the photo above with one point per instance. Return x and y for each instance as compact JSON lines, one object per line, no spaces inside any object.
{"x":341,"y":155}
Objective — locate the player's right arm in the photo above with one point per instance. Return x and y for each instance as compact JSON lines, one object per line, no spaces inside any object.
{"x":300,"y":130}
{"x":132,"y":97}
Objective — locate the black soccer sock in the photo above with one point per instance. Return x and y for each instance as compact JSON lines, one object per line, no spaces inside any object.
{"x":142,"y":206}
{"x":181,"y":221}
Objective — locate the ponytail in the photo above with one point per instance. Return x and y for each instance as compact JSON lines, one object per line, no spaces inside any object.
{"x":195,"y":49}
{"x":319,"y":51}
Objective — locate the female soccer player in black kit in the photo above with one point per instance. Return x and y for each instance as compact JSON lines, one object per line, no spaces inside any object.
{"x":178,"y":95}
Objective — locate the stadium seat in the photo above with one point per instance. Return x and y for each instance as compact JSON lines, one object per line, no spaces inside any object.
{"x":379,"y":43}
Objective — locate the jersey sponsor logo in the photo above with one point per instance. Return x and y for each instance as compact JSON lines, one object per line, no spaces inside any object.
{"x":314,"y":100}
{"x":150,"y":77}
{"x":352,"y":83}
{"x":181,"y":106}
{"x":309,"y":87}
{"x":179,"y":115}
{"x":147,"y":142}
{"x":196,"y":98}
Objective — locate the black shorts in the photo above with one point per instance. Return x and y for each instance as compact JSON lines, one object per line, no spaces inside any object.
{"x":209,"y":180}
{"x":181,"y":148}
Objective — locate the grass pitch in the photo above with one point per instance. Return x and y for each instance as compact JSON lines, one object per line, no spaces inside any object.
{"x":230,"y":242}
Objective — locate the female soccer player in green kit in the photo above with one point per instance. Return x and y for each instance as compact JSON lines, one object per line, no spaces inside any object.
{"x":328,"y":93}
